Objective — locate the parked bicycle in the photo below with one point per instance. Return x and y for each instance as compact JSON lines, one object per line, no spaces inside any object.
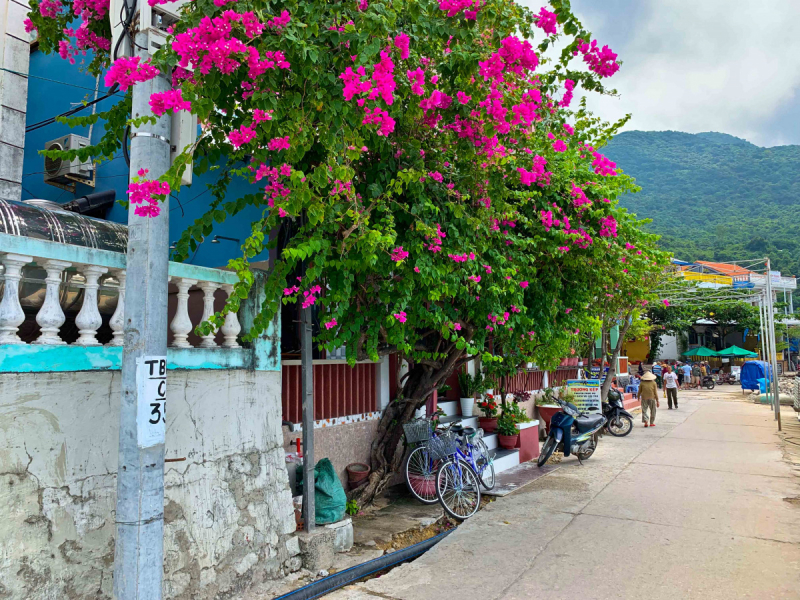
{"x":448,"y":465}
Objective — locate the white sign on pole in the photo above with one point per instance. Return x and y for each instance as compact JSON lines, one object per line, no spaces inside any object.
{"x":775,"y":277}
{"x":151,"y":413}
{"x":587,"y":393}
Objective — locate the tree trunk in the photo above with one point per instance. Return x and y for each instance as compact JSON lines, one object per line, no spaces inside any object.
{"x":612,"y":368}
{"x":388,"y":450}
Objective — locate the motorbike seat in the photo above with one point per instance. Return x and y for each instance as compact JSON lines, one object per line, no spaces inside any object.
{"x":587,"y":422}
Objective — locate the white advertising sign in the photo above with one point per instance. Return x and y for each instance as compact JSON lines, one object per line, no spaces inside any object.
{"x":775,"y":277}
{"x":151,"y":412}
{"x":587,"y":393}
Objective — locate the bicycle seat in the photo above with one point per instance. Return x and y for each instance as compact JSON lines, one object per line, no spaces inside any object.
{"x":457,"y":428}
{"x":468,"y":431}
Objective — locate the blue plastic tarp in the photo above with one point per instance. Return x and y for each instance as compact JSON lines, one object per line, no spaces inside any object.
{"x":752,"y":371}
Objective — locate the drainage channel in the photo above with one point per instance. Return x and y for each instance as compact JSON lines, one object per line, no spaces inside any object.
{"x":353,"y":574}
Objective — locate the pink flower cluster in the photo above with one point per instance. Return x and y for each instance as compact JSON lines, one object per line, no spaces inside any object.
{"x":243,"y":135}
{"x":310,"y":296}
{"x":401,"y":42}
{"x":161,"y":102}
{"x":143,"y":194}
{"x":400,"y":316}
{"x":127,"y":71}
{"x":601,"y":61}
{"x":547,"y":21}
{"x":436,"y":243}
{"x":608,"y":227}
{"x":278,"y":23}
{"x":514,"y":56}
{"x":90,"y":10}
{"x":278,"y":144}
{"x":603,"y":166}
{"x":560,"y":146}
{"x":381,"y":118}
{"x":537,"y":174}
{"x":453,"y":7}
{"x":417,"y":79}
{"x":580,"y":196}
{"x":569,"y":87}
{"x":462,"y":257}
{"x":260,"y":116}
{"x":50,"y":8}
{"x":398,"y":254}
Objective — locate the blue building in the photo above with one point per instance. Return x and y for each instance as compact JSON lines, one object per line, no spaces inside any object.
{"x":54,"y":87}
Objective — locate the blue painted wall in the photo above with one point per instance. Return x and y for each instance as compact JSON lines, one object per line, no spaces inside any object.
{"x":54,"y":87}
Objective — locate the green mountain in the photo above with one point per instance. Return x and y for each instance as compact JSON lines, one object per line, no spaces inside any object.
{"x":713,"y":196}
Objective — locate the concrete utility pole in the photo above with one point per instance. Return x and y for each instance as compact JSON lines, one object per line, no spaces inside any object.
{"x":139,"y":551}
{"x":307,"y":385}
{"x":773,"y":351}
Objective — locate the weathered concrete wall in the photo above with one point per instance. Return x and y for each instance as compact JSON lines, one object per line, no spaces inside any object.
{"x":228,"y":513}
{"x":342,"y":444}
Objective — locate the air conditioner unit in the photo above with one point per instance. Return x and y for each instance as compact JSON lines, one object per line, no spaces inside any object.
{"x":65,"y":173}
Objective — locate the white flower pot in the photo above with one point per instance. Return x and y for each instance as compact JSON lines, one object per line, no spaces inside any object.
{"x":467,"y":404}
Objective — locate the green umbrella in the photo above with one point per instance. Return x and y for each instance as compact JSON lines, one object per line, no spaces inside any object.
{"x":737,"y":352}
{"x":704,"y":352}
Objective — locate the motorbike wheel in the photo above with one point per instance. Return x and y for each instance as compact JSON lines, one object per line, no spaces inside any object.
{"x":586,"y":453}
{"x":547,"y":451}
{"x":710,"y":384}
{"x":731,"y":382}
{"x":620,"y":426}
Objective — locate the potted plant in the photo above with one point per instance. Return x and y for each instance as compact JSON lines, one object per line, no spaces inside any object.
{"x":467,"y":384}
{"x":488,"y":422}
{"x":507,"y":433}
{"x":546,"y":406}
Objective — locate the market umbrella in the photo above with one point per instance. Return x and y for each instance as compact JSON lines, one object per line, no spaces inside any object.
{"x":737,"y":352}
{"x":704,"y":352}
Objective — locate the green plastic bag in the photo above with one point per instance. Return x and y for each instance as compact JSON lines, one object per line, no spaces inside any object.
{"x":330,"y":499}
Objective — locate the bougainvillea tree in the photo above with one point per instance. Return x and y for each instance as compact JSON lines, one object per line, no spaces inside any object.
{"x":441,"y":181}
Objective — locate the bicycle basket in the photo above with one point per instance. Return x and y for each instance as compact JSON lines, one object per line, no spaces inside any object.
{"x":442,"y":447}
{"x":417,"y":431}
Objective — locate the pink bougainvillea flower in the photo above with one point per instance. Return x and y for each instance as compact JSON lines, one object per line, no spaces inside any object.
{"x":567,"y":311}
{"x":161,"y":102}
{"x":127,"y":71}
{"x":666,"y":302}
{"x":547,"y":21}
{"x":416,"y":269}
{"x":400,"y":316}
{"x":560,"y":146}
{"x":399,"y":255}
{"x":277,"y":144}
{"x":401,"y":42}
{"x":331,"y":324}
{"x":457,"y":326}
{"x":523,"y":284}
{"x":144,"y":193}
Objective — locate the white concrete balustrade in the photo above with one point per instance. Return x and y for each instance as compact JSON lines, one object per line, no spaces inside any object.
{"x":92,"y":279}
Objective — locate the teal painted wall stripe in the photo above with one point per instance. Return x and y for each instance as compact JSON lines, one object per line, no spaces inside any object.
{"x":26,"y":358}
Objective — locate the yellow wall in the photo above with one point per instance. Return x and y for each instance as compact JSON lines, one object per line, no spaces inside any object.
{"x":636,"y":350}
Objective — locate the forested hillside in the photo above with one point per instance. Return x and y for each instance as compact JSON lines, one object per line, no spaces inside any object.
{"x":713,"y":196}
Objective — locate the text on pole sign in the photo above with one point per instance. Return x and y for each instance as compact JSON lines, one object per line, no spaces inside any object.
{"x":151,"y":413}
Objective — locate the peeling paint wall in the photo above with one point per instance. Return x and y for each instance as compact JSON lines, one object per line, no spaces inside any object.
{"x":229,"y":520}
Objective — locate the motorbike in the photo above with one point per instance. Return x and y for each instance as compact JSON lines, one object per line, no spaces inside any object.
{"x":619,"y":422}
{"x":573,"y":431}
{"x":707,"y":381}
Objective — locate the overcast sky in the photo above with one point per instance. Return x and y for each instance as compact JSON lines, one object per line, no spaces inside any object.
{"x":731,"y":66}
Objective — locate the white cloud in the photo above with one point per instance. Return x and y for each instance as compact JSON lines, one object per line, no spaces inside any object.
{"x":702,"y":65}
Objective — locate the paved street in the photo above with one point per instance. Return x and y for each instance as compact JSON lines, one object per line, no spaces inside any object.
{"x":694,"y":508}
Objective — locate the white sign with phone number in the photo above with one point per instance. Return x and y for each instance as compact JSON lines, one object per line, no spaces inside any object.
{"x":151,"y":412}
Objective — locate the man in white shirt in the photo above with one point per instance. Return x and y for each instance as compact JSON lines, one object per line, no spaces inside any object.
{"x":671,"y":385}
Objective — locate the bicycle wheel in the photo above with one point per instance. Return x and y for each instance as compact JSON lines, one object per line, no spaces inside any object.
{"x":484,"y":464}
{"x":458,"y":489}
{"x":420,"y":473}
{"x":547,"y":451}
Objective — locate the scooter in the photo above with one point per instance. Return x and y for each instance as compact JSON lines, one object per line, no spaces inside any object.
{"x":707,"y":381}
{"x":619,"y":422}
{"x":572,"y":431}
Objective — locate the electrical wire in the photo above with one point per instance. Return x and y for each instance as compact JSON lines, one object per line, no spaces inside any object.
{"x":51,"y":120}
{"x":28,"y":75}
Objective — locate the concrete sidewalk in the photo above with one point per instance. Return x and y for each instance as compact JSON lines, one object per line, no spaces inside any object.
{"x":693,"y":508}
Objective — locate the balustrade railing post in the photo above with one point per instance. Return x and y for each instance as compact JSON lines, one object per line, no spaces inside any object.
{"x":208,"y":287}
{"x":11,"y":313}
{"x":117,"y":322}
{"x":231,"y":328}
{"x":181,"y":324}
{"x":50,"y":316}
{"x":89,"y":319}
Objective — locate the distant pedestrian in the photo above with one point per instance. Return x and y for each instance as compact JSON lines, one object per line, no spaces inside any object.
{"x":648,"y":395}
{"x":687,"y":375}
{"x":679,"y":373}
{"x":640,"y":370}
{"x":657,"y":370}
{"x":696,"y":375}
{"x":671,"y":387}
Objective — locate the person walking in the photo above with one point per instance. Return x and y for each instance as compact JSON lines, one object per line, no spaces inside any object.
{"x":657,"y":370}
{"x":696,"y":375}
{"x":679,"y":372}
{"x":648,"y":395}
{"x":687,"y":375}
{"x":671,"y":387}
